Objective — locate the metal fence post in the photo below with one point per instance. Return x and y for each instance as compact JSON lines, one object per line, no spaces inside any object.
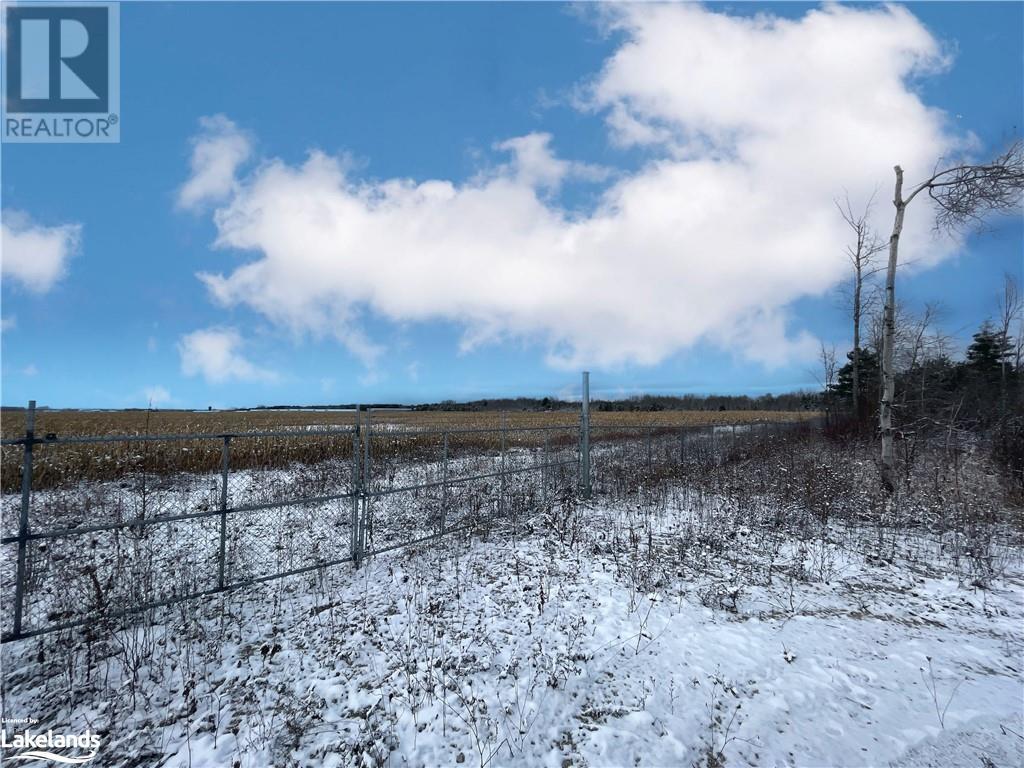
{"x":444,"y":484}
{"x":650,"y":433}
{"x":357,"y":488}
{"x":585,"y":436}
{"x":501,"y":497}
{"x":26,"y":501}
{"x":225,"y":463}
{"x":545,"y":459}
{"x":682,"y":445}
{"x":364,"y":522}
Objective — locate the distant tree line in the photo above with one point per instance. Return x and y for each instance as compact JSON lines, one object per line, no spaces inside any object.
{"x":327,"y":407}
{"x":794,"y":401}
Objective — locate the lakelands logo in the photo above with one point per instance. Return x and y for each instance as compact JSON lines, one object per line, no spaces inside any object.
{"x":42,"y":746}
{"x":63,"y":70}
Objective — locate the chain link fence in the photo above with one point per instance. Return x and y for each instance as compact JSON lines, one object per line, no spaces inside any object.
{"x":108,"y":526}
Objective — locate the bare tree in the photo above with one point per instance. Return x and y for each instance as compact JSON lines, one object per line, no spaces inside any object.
{"x":963,"y":195}
{"x":917,"y":342}
{"x":923,"y":342}
{"x":917,"y":339}
{"x":1018,"y":354}
{"x":1011,"y":307}
{"x":827,"y":357}
{"x":875,"y":316}
{"x":866,"y":246}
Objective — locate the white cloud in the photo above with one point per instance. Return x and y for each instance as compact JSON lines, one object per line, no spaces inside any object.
{"x":213,"y":353}
{"x":535,"y":165}
{"x":8,"y":323}
{"x":217,"y":152}
{"x":30,"y":370}
{"x":755,"y":125}
{"x":372,"y":377}
{"x":156,"y":395}
{"x":34,"y":255}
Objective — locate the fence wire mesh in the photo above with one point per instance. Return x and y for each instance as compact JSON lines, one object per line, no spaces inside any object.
{"x":107,"y":526}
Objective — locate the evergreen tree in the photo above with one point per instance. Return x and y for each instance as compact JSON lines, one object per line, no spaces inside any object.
{"x":870,"y":381}
{"x":990,"y":349}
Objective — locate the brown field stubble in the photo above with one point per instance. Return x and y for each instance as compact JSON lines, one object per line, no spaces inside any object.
{"x":56,"y":465}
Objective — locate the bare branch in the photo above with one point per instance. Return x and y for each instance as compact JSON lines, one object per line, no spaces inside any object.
{"x":1011,"y":304}
{"x":965,"y":194}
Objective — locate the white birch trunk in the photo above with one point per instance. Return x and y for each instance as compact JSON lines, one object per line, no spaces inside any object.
{"x":888,"y":341}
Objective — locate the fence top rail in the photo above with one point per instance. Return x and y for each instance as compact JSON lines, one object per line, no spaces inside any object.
{"x":378,"y":431}
{"x":81,"y":439}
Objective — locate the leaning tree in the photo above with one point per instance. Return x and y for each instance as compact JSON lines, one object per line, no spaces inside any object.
{"x":963,"y":195}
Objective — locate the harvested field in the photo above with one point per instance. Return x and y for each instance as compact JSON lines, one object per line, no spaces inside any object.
{"x":57,"y":464}
{"x":67,"y":423}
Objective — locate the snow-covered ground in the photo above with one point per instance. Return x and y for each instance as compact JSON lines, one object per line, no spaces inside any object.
{"x":668,"y":633}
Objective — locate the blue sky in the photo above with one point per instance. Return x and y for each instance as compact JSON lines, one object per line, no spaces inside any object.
{"x":428,"y":92}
